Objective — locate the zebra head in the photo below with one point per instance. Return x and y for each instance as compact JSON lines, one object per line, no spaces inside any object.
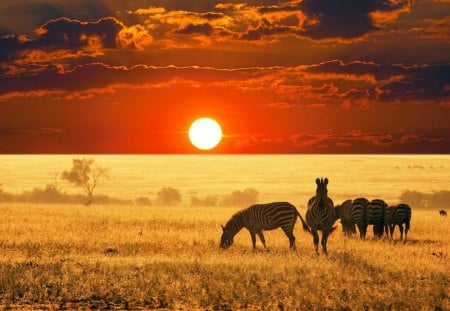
{"x":321,"y":191}
{"x":227,"y":238}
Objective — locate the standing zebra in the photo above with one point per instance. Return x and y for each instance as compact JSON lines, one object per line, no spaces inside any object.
{"x":400,"y":214}
{"x":387,"y":219}
{"x":358,"y":211}
{"x":375,"y":217}
{"x":343,"y":211}
{"x":321,"y":214}
{"x":261,"y":217}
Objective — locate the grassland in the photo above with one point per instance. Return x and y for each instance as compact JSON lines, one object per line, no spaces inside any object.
{"x":116,"y":257}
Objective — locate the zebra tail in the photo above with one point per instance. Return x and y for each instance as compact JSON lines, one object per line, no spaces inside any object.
{"x":305,"y":225}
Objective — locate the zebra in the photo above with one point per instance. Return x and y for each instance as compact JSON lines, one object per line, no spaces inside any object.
{"x":261,"y":217}
{"x":387,"y":219}
{"x":321,"y":214}
{"x":400,"y":214}
{"x":358,"y":212}
{"x":343,"y":211}
{"x":443,"y":213}
{"x":375,"y":217}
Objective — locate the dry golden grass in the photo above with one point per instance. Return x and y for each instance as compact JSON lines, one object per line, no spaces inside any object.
{"x":115,"y":257}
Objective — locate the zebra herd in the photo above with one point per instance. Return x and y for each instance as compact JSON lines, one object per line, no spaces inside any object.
{"x":320,"y":216}
{"x":362,"y":213}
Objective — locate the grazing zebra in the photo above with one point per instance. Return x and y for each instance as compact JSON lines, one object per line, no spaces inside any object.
{"x":321,"y":214}
{"x":400,"y":214}
{"x":343,"y":211}
{"x":261,"y":217}
{"x":375,"y":217}
{"x":443,"y":213}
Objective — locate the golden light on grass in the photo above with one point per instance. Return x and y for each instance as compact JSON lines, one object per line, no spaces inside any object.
{"x":131,"y":257}
{"x":205,"y":133}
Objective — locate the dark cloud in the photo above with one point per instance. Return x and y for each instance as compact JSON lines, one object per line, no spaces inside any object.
{"x":9,"y":44}
{"x":419,"y":83}
{"x":71,"y":34}
{"x":30,"y":14}
{"x":345,"y":18}
{"x":78,"y":38}
{"x":63,"y":33}
{"x":265,"y":28}
{"x":396,"y":82}
{"x":379,"y":71}
{"x":204,"y":29}
{"x":99,"y":75}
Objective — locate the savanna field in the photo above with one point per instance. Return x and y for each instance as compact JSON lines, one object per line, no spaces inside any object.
{"x":137,"y":257}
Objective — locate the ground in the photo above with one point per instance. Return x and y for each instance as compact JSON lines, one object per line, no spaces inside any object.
{"x":135,"y":257}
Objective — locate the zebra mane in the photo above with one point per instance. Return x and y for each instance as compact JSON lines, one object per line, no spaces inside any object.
{"x":236,"y":216}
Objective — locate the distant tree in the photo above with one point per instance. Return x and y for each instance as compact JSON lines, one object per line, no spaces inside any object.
{"x":241,"y":198}
{"x":85,"y":174}
{"x":168,"y":196}
{"x":143,"y":201}
{"x":440,"y":199}
{"x":414,"y":198}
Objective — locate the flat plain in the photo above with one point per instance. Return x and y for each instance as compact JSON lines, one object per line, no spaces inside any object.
{"x":136,"y":257}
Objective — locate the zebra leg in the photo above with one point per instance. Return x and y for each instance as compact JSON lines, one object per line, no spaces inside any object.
{"x":401,"y":231}
{"x":406,"y":230}
{"x":361,"y":230}
{"x":253,"y":235}
{"x":261,"y":237}
{"x":324,"y":242}
{"x":316,"y":240}
{"x":290,"y":235}
{"x":380,"y":230}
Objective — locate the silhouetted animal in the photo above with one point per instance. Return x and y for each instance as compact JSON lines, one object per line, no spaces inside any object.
{"x":358,"y":210}
{"x":321,"y":214}
{"x":375,"y":217}
{"x":343,"y":211}
{"x":387,"y":219}
{"x":400,"y":214}
{"x":261,"y":217}
{"x":443,"y":213}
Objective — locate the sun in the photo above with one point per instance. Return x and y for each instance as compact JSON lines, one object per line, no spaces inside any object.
{"x":205,"y":133}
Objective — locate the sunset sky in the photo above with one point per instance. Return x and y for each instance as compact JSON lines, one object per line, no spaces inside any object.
{"x":311,"y":76}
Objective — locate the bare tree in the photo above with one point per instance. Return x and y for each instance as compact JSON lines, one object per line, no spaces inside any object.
{"x":85,"y":174}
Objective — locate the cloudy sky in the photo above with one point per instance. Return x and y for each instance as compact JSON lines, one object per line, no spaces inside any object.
{"x":310,"y":76}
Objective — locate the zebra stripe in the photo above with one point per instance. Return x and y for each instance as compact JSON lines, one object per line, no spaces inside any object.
{"x":359,"y":215}
{"x":375,"y":217}
{"x":261,"y":217}
{"x":321,"y":214}
{"x":400,"y":214}
{"x":343,"y":211}
{"x":387,"y":219}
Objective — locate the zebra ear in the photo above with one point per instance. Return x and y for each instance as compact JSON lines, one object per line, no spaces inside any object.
{"x":223,"y":228}
{"x":325,"y":181}
{"x":317,"y":181}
